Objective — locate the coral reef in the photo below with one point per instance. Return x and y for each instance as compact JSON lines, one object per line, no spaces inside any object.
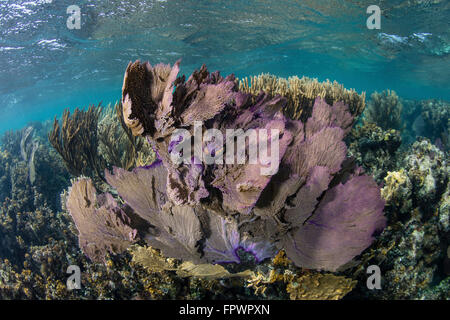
{"x":318,"y":207}
{"x":444,"y":210}
{"x":431,"y":120}
{"x":385,"y":110}
{"x":51,"y":174}
{"x":117,"y":145}
{"x":5,"y":169}
{"x":302,"y":92}
{"x":23,"y":145}
{"x":436,"y":115}
{"x":33,"y":165}
{"x":428,"y":171}
{"x":11,"y":142}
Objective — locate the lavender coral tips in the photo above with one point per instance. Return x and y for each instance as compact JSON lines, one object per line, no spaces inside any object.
{"x":219,"y":202}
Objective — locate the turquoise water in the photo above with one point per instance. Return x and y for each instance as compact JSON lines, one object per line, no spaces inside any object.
{"x":46,"y":67}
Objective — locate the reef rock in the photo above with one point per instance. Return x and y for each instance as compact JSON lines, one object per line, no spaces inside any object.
{"x":316,"y":203}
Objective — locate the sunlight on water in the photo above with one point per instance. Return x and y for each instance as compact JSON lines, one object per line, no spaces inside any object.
{"x":45,"y":67}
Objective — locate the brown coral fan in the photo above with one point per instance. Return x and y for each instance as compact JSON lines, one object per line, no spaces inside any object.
{"x":385,"y":109}
{"x":117,"y":144}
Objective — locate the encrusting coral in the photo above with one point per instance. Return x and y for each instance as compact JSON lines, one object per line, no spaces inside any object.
{"x":397,"y":190}
{"x":319,"y":206}
{"x":281,"y":279}
{"x":320,"y":287}
{"x":436,"y":115}
{"x":301,"y":93}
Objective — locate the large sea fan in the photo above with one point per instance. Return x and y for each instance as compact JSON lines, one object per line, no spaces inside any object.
{"x":318,"y":206}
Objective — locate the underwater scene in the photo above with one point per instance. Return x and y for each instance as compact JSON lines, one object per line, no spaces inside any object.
{"x":224,"y":150}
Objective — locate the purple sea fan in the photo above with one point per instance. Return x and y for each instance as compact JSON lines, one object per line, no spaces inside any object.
{"x":324,"y":115}
{"x":342,"y":226}
{"x":185,"y":184}
{"x":143,"y":189}
{"x":103,"y":226}
{"x":225,"y":244}
{"x":318,"y":143}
